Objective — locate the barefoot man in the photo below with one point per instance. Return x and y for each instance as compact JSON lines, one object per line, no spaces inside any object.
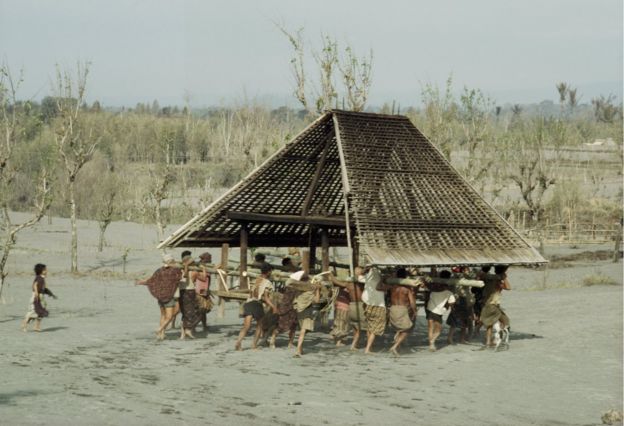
{"x":162,"y":285}
{"x":356,"y":307}
{"x":440,"y":300}
{"x":252,"y":309}
{"x":402,"y":310}
{"x":374,"y":296}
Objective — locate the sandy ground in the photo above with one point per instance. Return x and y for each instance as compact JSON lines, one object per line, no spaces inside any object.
{"x":97,"y":361}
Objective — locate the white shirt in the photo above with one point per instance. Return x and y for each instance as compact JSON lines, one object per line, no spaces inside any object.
{"x":371,"y":296}
{"x":437,"y":300}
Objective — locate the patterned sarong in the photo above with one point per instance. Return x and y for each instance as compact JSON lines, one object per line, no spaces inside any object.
{"x":341,"y":323}
{"x":375,"y":319}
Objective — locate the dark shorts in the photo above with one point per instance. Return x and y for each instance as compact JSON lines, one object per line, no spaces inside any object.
{"x":433,"y":316}
{"x":253,"y":308}
{"x":168,"y":304}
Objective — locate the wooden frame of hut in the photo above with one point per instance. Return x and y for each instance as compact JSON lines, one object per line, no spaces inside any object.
{"x":370,"y":182}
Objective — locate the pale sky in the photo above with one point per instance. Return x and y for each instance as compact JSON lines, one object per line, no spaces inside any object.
{"x":221,"y":51}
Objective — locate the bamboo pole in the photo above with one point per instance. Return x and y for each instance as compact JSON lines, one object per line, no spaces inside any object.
{"x":225,"y":254}
{"x":324,"y":250}
{"x":244,"y":241}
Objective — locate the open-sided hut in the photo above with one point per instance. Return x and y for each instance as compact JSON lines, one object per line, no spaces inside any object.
{"x":372,"y":182}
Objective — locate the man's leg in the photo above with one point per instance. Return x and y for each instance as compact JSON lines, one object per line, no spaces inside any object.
{"x":401,"y":336}
{"x":257,"y":335}
{"x":370,"y":338}
{"x":37,"y":326}
{"x":299,"y":351}
{"x":488,"y":336}
{"x":437,"y":329}
{"x":166,"y":322}
{"x":273,"y":337}
{"x":356,"y":338}
{"x":451,"y":333}
{"x":243,"y":332}
{"x":430,"y":325}
{"x":291,"y":338}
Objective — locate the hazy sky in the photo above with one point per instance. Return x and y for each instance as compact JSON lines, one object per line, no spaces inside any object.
{"x":220,"y":51}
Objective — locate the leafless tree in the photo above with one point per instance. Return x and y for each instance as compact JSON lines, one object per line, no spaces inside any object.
{"x":357,"y":77}
{"x":161,"y":179}
{"x":75,"y":141}
{"x":12,"y":130}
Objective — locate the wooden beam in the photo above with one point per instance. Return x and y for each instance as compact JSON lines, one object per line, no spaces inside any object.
{"x":317,"y":176}
{"x":324,"y":250}
{"x":330,"y":221}
{"x":244,"y":243}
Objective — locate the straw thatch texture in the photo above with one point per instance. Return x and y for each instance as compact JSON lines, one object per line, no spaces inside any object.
{"x":411,"y":207}
{"x":407,"y":204}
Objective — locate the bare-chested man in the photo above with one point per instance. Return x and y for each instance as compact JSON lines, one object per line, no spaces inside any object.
{"x":356,"y":307}
{"x":402,"y":310}
{"x":253,"y":309}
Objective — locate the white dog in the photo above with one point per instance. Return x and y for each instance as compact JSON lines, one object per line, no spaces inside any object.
{"x":500,"y":335}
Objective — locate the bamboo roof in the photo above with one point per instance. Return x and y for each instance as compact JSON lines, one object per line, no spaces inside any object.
{"x":407,"y":204}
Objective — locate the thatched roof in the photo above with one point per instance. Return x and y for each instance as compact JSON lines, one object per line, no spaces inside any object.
{"x":407,"y":204}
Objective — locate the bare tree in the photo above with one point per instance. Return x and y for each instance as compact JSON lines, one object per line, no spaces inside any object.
{"x":161,"y":180}
{"x":357,"y":78}
{"x":355,"y":74}
{"x":605,"y":110}
{"x":12,"y":130}
{"x":107,"y":207}
{"x":75,"y":142}
{"x":527,"y":163}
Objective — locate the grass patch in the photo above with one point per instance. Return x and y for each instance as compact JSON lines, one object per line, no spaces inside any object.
{"x":598,"y":279}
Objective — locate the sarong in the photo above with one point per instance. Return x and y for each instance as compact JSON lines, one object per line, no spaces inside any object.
{"x":189,"y":308}
{"x":253,"y":308}
{"x":433,"y":316}
{"x":164,"y":283}
{"x":375,"y":319}
{"x":306,"y":319}
{"x":36,"y":309}
{"x":459,"y":317}
{"x":287,"y":315}
{"x":399,"y":318}
{"x":356,"y":315}
{"x":341,"y":322}
{"x":492,"y":313}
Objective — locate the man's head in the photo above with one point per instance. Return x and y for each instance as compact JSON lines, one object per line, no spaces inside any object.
{"x":205,"y":258}
{"x":265,"y":269}
{"x":286,"y":261}
{"x":485,"y":269}
{"x":40,"y":269}
{"x":168,"y":259}
{"x":500,"y":269}
{"x":401,"y":273}
{"x":259,"y":257}
{"x":445,"y":274}
{"x":358,"y":271}
{"x":187,"y":257}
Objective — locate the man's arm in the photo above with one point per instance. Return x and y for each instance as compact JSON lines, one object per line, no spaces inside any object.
{"x":412,"y":300}
{"x":505,"y":284}
{"x":268,"y":301}
{"x":344,"y":284}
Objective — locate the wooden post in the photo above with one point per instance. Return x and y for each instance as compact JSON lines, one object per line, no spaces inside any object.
{"x":356,"y":253}
{"x":244,"y":245}
{"x":324,"y":250}
{"x":618,"y":241}
{"x":305,"y":260}
{"x":312,"y":244}
{"x":225,"y":255}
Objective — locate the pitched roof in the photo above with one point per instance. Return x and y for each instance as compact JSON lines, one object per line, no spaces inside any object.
{"x":407,"y":204}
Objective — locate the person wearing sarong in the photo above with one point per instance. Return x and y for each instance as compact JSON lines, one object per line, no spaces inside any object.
{"x":492,"y":311}
{"x":37,"y":307}
{"x":162,"y":285}
{"x":440,"y":299}
{"x":340,"y":329}
{"x":286,"y":313}
{"x":489,"y":281}
{"x":402,"y":311}
{"x":201,"y":281}
{"x":253,"y":309}
{"x":188,"y":299}
{"x":305,"y":310}
{"x":461,"y":316}
{"x":355,"y":312}
{"x":374,"y":296}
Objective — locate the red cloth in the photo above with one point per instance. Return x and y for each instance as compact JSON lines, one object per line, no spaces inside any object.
{"x":163,"y":283}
